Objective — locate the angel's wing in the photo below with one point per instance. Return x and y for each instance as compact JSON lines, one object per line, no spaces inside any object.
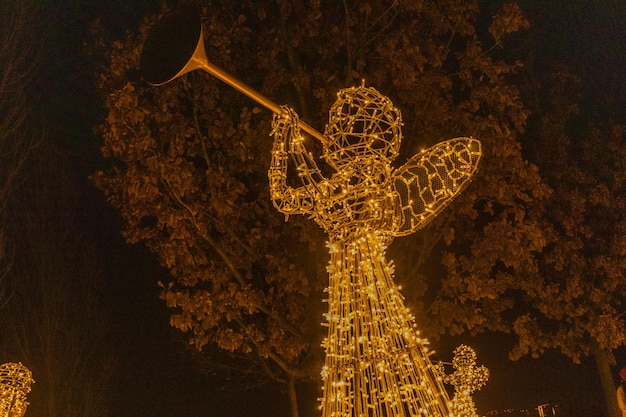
{"x":430,"y":180}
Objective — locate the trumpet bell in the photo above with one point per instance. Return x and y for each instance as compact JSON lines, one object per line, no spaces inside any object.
{"x":174,"y":47}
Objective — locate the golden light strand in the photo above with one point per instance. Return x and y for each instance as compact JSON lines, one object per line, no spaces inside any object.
{"x":376,"y":362}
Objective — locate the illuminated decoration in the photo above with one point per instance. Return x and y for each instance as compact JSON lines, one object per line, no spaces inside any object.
{"x":466,"y":378}
{"x":15,"y":381}
{"x":376,"y":362}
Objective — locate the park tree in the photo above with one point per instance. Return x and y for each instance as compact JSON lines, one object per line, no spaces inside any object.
{"x":54,"y":320}
{"x":21,"y":56}
{"x":573,"y":298}
{"x":579,"y":303}
{"x":574,"y":294}
{"x":188,"y":165}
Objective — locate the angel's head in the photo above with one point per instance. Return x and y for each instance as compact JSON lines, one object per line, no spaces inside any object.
{"x":363,"y":127}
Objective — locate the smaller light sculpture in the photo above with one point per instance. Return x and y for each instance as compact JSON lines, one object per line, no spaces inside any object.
{"x":15,"y":381}
{"x":467,"y":378}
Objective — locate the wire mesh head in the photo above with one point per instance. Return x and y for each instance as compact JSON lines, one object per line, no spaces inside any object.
{"x":464,"y":356}
{"x":363,"y":124}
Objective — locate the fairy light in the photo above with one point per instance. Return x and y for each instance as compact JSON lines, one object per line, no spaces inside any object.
{"x":376,"y":362}
{"x":466,"y":379}
{"x":15,"y":382}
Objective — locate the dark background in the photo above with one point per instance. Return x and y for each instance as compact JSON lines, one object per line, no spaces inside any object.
{"x":159,"y":375}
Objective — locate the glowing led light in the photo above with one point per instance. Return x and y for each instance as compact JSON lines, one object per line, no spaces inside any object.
{"x":15,"y":382}
{"x":362,"y":207}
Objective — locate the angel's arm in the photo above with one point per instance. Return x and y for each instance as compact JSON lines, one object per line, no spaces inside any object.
{"x":430,"y":180}
{"x":289,"y":142}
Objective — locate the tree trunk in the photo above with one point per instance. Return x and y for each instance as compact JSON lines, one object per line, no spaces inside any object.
{"x":293,"y":397}
{"x":606,"y":378}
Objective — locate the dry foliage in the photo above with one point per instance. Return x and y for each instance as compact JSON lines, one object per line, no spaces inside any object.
{"x":189,"y":162}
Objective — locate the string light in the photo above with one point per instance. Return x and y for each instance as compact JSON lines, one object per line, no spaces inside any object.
{"x":15,"y":382}
{"x":376,"y":363}
{"x":467,"y":378}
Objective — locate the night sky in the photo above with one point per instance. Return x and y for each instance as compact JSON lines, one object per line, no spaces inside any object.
{"x":159,"y":375}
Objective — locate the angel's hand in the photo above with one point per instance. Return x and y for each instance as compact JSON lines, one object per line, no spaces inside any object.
{"x":285,"y":126}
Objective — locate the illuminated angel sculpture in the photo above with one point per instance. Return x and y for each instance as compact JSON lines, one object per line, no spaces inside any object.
{"x":376,"y":363}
